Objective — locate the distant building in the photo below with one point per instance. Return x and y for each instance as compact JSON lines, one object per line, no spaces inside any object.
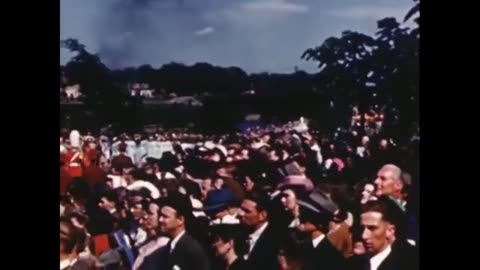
{"x":72,"y":91}
{"x":185,"y":100}
{"x":249,"y":92}
{"x":141,"y":89}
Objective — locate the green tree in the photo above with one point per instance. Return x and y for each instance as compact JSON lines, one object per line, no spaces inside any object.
{"x":102,"y":94}
{"x":388,"y":62}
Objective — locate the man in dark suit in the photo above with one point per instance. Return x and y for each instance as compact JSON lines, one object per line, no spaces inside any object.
{"x":122,"y":161}
{"x":319,"y":252}
{"x":378,"y":222}
{"x":183,"y":251}
{"x":263,"y":241}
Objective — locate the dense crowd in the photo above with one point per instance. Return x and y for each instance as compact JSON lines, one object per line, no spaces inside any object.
{"x":276,"y":197}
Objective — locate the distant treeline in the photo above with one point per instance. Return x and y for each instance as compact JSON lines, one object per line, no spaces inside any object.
{"x":354,"y":68}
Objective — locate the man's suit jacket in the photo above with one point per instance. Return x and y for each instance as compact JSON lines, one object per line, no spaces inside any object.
{"x":122,"y":161}
{"x":325,"y":256}
{"x":157,"y":260}
{"x":401,"y":257}
{"x":187,"y":255}
{"x":403,"y":254}
{"x":264,"y":253}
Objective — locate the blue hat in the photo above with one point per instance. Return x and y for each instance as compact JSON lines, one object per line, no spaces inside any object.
{"x":218,"y":199}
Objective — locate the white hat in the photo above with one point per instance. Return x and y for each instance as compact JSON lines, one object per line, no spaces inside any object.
{"x":196,"y":204}
{"x":74,"y":138}
{"x":209,"y":145}
{"x":137,"y":185}
{"x":222,"y":149}
{"x":258,"y":145}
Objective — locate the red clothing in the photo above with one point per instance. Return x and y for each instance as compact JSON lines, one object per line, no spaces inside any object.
{"x":65,"y":179}
{"x":73,"y":160}
{"x":93,"y":175}
{"x":122,"y":161}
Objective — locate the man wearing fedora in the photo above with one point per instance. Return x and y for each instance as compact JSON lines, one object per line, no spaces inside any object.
{"x":319,"y":253}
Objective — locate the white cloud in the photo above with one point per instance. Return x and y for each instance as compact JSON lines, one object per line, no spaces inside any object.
{"x":204,"y":31}
{"x":276,"y":6}
{"x":370,"y":12}
{"x":255,"y":13}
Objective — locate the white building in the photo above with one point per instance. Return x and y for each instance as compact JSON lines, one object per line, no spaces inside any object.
{"x":73,"y":91}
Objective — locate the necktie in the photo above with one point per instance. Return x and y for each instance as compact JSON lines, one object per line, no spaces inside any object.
{"x":367,"y":265}
{"x":248,"y":247}
{"x":169,"y":247}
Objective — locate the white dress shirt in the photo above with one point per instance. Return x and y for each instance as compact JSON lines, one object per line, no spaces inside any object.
{"x":253,"y":238}
{"x":66,"y":263}
{"x":295,"y":222}
{"x":376,"y":260}
{"x":175,"y":240}
{"x":317,"y":240}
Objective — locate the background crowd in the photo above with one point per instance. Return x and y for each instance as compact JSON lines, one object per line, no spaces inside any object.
{"x":271,"y":197}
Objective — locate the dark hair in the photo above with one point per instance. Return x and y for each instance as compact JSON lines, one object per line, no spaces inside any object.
{"x":260,"y":198}
{"x":180,"y":203}
{"x":319,"y":220}
{"x":122,"y":148}
{"x":228,"y":232}
{"x":191,"y":187}
{"x":144,"y":192}
{"x":111,"y":195}
{"x":390,"y":211}
{"x":144,"y":203}
{"x":171,"y":185}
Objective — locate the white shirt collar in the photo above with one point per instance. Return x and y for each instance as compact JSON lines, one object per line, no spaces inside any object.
{"x":66,"y":263}
{"x":376,"y":260}
{"x":294,"y":223}
{"x":255,"y":235}
{"x":175,"y":240}
{"x":317,"y":240}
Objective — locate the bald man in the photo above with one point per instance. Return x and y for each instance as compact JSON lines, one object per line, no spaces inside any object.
{"x":389,"y":182}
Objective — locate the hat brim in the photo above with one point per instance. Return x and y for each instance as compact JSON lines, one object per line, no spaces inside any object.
{"x":214,"y":208}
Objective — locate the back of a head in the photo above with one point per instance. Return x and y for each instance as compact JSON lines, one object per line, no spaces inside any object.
{"x":228,"y":232}
{"x":122,"y":148}
{"x":111,"y":195}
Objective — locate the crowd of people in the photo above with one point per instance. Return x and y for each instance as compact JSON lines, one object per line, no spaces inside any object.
{"x":277,"y":197}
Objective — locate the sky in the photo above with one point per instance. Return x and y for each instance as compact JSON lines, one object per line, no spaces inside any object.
{"x":255,"y":35}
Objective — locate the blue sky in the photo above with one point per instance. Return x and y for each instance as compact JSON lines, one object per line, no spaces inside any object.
{"x":255,"y":35}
